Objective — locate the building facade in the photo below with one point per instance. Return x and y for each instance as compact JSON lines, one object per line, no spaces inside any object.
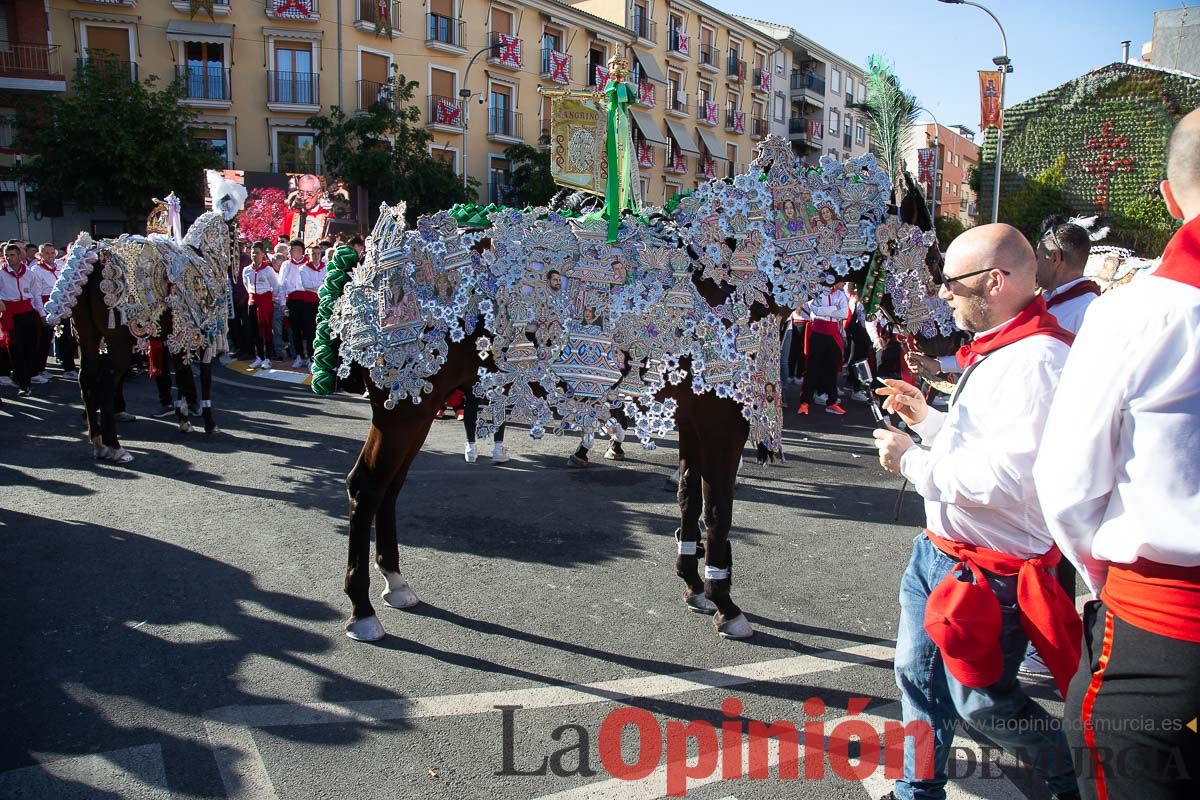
{"x":821,"y":89}
{"x":709,"y":85}
{"x":957,"y":155}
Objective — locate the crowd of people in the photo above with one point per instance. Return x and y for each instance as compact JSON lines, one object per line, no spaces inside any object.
{"x":1069,"y":443}
{"x":27,"y":276}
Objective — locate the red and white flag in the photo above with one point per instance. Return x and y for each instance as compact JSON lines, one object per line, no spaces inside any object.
{"x":560,"y":67}
{"x":509,"y":50}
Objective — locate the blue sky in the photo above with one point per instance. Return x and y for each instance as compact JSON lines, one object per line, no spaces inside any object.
{"x":937,"y":49}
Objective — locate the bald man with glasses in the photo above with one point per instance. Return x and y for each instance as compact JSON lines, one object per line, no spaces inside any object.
{"x":980,"y":582}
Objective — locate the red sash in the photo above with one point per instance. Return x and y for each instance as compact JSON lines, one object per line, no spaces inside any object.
{"x":1078,"y":290}
{"x":304,"y":296}
{"x":1160,"y":598}
{"x":1181,"y":259}
{"x":1033,"y":320}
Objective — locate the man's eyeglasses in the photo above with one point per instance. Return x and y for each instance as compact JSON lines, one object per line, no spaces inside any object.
{"x":949,"y":279}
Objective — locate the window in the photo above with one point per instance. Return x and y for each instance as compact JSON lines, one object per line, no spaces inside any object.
{"x":373,"y":69}
{"x":204,"y":71}
{"x":445,"y":155}
{"x":443,"y":97}
{"x":552,"y":39}
{"x":670,"y":190}
{"x":835,"y":81}
{"x":676,"y":99}
{"x":643,"y":189}
{"x":779,"y":105}
{"x":860,"y":134}
{"x":293,"y":80}
{"x":705,"y":94}
{"x":295,"y":152}
{"x":500,"y":111}
{"x":597,"y":57}
{"x":502,"y":21}
{"x":546,"y":105}
{"x":954,"y":189}
{"x":956,"y":159}
{"x":834,"y":121}
{"x":731,"y":157}
{"x":850,"y":88}
{"x":948,"y":158}
{"x":216,"y":140}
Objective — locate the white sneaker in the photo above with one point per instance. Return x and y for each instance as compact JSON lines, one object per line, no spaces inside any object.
{"x":265,"y":364}
{"x":469,"y":453}
{"x":256,"y":363}
{"x":499,"y":453}
{"x":39,"y":379}
{"x":298,"y":363}
{"x":6,"y":381}
{"x":823,"y":399}
{"x":71,"y":375}
{"x":860,"y":396}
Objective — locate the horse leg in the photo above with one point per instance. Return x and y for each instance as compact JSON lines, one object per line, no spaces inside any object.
{"x":106,"y":388}
{"x":687,"y":536}
{"x":186,"y":384}
{"x":91,"y":404}
{"x":210,"y":422}
{"x":720,"y":463}
{"x":398,"y":593}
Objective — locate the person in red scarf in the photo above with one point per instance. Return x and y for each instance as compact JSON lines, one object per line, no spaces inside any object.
{"x":823,"y":347}
{"x":300,"y":279}
{"x":1119,"y":478}
{"x":20,"y":316}
{"x":262,"y":284}
{"x":980,"y":584}
{"x":1062,"y":256}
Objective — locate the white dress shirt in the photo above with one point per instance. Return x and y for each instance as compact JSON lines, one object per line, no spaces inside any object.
{"x":44,"y":276}
{"x":300,"y":276}
{"x":261,"y":281}
{"x":1119,"y":470}
{"x":977,"y":474}
{"x":14,"y":289}
{"x":1070,"y":312}
{"x":832,"y":305}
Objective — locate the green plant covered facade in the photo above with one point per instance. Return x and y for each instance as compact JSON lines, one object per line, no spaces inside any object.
{"x":1094,"y":145}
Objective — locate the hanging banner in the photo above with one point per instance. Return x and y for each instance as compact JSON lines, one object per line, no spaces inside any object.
{"x":646,"y":93}
{"x":925,"y":158}
{"x":739,"y":122}
{"x":645,"y":154}
{"x":560,"y":67}
{"x":600,"y":78}
{"x":579,"y":141}
{"x":816,"y":129}
{"x":711,"y":113}
{"x":682,"y":43}
{"x":989,"y":99}
{"x":508,"y":50}
{"x":764,"y":79}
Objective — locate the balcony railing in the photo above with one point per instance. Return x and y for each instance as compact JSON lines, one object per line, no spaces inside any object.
{"x":8,"y":132}
{"x":548,"y":67}
{"x":500,"y":192}
{"x":444,"y":30}
{"x":673,"y":41}
{"x":798,"y":126}
{"x":644,"y":27}
{"x":759,"y":130}
{"x":109,"y":67}
{"x":204,"y":83}
{"x":293,"y":88}
{"x":735,"y":67}
{"x":810,"y":81}
{"x":372,"y":92}
{"x":30,"y":60}
{"x":677,"y":103}
{"x":676,"y":160}
{"x":708,"y":55}
{"x":498,"y":56}
{"x":757,"y":76}
{"x":447,"y":111}
{"x":368,"y":13}
{"x":302,"y":166}
{"x":700,"y":110}
{"x":292,"y":9}
{"x":504,"y":122}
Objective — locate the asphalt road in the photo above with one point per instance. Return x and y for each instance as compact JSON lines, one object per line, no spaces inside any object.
{"x":174,"y":628}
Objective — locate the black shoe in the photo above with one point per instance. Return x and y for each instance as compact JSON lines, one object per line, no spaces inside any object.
{"x":24,"y":393}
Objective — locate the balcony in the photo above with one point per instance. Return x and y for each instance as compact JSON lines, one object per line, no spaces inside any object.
{"x":111,"y":3}
{"x":506,"y":51}
{"x":676,"y":162}
{"x":708,"y":57}
{"x":758,"y":85}
{"x":220,"y":8}
{"x":31,"y":66}
{"x":556,"y":66}
{"x":504,"y":125}
{"x":702,"y":112}
{"x":706,"y":168}
{"x":205,"y":86}
{"x":646,"y":92}
{"x":645,"y":28}
{"x":297,"y":166}
{"x":295,"y":10}
{"x":810,"y":83}
{"x":735,"y":68}
{"x":445,"y":34}
{"x":760,"y":128}
{"x":677,"y":103}
{"x":8,"y":133}
{"x":501,"y":192}
{"x":679,"y":44}
{"x":108,"y":68}
{"x":379,"y":18}
{"x":371,"y":93}
{"x":445,"y":114}
{"x":293,"y":91}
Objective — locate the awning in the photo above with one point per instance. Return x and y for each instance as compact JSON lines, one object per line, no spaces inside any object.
{"x":683,"y":137}
{"x":712,"y":144}
{"x":646,"y":125}
{"x":649,"y":67}
{"x":192,"y":31}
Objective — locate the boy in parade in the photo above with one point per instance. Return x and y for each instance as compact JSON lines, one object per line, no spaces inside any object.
{"x":20,"y":316}
{"x":300,"y":278}
{"x":262,"y":286}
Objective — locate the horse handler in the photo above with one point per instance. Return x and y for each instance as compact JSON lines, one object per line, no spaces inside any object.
{"x":980,"y":582}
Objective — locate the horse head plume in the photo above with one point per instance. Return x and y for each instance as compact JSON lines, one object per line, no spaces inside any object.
{"x":227,"y":197}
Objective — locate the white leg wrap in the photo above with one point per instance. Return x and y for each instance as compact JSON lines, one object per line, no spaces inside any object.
{"x":715,"y":573}
{"x":618,"y":433}
{"x":687,"y":548}
{"x":206,"y":403}
{"x":587,"y":440}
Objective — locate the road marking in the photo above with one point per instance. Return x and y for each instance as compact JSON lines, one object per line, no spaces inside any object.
{"x":134,"y":773}
{"x":245,"y":776}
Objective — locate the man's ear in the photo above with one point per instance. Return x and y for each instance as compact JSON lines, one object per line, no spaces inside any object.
{"x":1169,"y":197}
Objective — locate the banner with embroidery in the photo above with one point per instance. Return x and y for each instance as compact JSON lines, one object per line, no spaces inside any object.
{"x":297,"y":9}
{"x":711,"y":113}
{"x":682,"y":43}
{"x":509,"y":48}
{"x":764,"y":79}
{"x":645,"y":152}
{"x":925,"y":158}
{"x":600,"y":77}
{"x":678,"y":161}
{"x":739,"y":122}
{"x":816,"y":129}
{"x":447,"y":112}
{"x":560,"y":67}
{"x":710,"y":168}
{"x":646,"y":93}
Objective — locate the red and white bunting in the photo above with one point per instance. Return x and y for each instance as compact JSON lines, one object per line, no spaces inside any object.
{"x":682,"y":43}
{"x":710,"y":168}
{"x":739,"y":122}
{"x":293,"y":8}
{"x":764,"y":79}
{"x":816,"y":129}
{"x":600,"y":79}
{"x":645,"y":154}
{"x":560,"y":67}
{"x":711,"y":112}
{"x":679,"y":161}
{"x":646,"y":93}
{"x":447,"y":113}
{"x":509,"y":48}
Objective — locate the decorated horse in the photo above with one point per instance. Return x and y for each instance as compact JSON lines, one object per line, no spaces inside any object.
{"x":671,"y":316}
{"x":138,"y":291}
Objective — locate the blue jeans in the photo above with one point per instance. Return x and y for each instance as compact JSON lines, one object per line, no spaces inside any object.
{"x":930,"y":694}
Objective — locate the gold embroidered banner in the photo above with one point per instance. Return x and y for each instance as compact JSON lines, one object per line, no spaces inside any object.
{"x":989,"y":99}
{"x":578,"y":141}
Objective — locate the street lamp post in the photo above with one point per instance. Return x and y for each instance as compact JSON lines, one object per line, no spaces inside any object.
{"x":1005,"y":66}
{"x":465,"y":95}
{"x":937,"y":132}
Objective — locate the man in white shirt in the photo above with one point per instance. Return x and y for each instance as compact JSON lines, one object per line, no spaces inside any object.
{"x":300,"y":279}
{"x":1119,"y":478}
{"x":981,"y":575}
{"x":20,"y":316}
{"x":261,"y":284}
{"x":1062,"y":255}
{"x":823,"y":348}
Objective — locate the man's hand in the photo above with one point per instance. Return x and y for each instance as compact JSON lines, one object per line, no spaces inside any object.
{"x":892,"y":445}
{"x":904,"y":400}
{"x":923,"y":365}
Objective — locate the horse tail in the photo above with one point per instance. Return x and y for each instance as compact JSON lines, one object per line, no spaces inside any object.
{"x":325,"y":355}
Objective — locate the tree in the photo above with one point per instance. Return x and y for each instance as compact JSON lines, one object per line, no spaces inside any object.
{"x":1039,"y":198}
{"x":891,"y":113}
{"x":112,"y":141}
{"x":531,"y":181}
{"x":385,"y":150}
{"x":948,"y":229}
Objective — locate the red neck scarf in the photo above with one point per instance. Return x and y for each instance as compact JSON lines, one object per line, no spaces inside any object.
{"x":1181,"y":259}
{"x":16,"y":273}
{"x":304,"y":262}
{"x":1078,"y":290}
{"x":1033,"y":320}
{"x":262,"y":266}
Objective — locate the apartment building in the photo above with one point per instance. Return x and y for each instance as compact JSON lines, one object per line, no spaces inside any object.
{"x":709,"y":85}
{"x":957,"y":154}
{"x":821,"y":86}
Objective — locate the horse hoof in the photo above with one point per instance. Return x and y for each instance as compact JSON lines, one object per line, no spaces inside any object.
{"x":369,"y":629}
{"x":398,"y":593}
{"x":575,"y":461}
{"x":736,"y":628}
{"x":614,"y":455}
{"x":212,"y":430}
{"x":119,"y":455}
{"x":103,"y":453}
{"x":185,"y":426}
{"x":696,"y":601}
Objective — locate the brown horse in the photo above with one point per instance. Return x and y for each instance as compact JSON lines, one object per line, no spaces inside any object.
{"x":106,"y":350}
